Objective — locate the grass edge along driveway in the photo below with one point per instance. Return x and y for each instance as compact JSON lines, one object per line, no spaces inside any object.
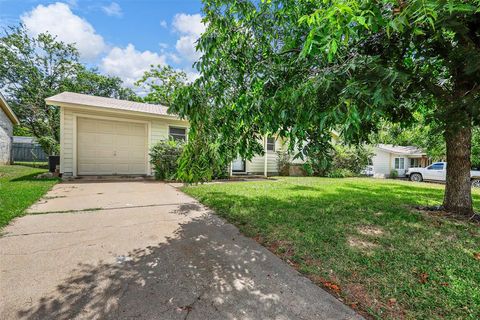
{"x":19,"y":189}
{"x":363,"y":241}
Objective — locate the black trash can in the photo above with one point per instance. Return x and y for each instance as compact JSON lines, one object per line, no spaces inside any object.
{"x":53,"y":161}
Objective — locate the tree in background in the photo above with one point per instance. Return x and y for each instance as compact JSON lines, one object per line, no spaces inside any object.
{"x":304,"y":68}
{"x":34,"y":68}
{"x":160,"y":83}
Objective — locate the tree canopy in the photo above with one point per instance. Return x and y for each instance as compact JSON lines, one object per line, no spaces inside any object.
{"x":34,"y":68}
{"x":303,"y":68}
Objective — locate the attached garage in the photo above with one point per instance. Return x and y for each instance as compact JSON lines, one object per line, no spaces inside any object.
{"x":105,"y":136}
{"x":107,"y":147}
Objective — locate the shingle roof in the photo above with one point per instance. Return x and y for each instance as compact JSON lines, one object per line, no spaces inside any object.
{"x":8,"y":111}
{"x":406,"y":150}
{"x":108,"y":103}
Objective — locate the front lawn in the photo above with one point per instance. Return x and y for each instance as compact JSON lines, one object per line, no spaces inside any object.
{"x":19,"y":190}
{"x":363,"y":241}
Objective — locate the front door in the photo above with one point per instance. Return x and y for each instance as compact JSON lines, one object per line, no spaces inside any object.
{"x":238,"y":165}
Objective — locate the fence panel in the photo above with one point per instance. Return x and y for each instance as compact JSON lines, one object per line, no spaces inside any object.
{"x":28,"y":152}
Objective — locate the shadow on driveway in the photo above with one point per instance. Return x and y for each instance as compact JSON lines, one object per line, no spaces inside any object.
{"x":206,"y":270}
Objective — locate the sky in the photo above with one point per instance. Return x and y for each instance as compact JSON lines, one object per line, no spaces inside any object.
{"x":122,"y":37}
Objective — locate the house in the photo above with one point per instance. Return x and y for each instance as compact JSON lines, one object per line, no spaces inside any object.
{"x":7,"y":120}
{"x":105,"y":136}
{"x":389,"y":157}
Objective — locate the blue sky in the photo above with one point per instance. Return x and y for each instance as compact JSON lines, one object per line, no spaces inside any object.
{"x":122,"y":37}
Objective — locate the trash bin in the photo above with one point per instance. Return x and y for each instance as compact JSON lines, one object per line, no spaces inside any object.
{"x":53,"y":161}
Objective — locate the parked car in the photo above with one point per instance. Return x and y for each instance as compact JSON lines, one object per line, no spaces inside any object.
{"x":368,"y":171}
{"x":437,"y":172}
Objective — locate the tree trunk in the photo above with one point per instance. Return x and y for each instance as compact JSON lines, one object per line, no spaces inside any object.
{"x":458,"y":193}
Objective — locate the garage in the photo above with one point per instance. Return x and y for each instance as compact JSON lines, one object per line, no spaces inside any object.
{"x":106,"y":147}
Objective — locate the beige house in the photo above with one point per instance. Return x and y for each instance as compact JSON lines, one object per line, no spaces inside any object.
{"x":389,"y":157}
{"x":105,"y":136}
{"x":7,"y":120}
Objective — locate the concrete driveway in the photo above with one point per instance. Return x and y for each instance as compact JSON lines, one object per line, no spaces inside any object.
{"x":144,"y":250}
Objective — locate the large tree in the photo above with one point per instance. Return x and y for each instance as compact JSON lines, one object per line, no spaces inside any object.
{"x":160,"y":83}
{"x":303,"y":68}
{"x":34,"y":68}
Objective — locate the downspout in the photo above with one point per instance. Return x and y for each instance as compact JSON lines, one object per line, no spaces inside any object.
{"x":265,"y":167}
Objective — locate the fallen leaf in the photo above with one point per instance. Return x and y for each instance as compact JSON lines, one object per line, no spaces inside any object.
{"x":476,"y":255}
{"x":423,"y":278}
{"x":392,"y":302}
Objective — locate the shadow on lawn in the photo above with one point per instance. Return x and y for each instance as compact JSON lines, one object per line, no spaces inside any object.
{"x":33,"y":177}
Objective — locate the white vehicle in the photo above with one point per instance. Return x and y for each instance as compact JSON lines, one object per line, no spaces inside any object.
{"x":437,"y":172}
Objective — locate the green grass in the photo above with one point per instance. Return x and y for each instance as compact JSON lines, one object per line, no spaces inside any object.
{"x":363,"y":235}
{"x":42,"y":165}
{"x":19,"y":190}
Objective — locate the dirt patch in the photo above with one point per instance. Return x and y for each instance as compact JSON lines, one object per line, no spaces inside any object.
{"x":361,"y":244}
{"x":368,"y":230}
{"x":438,"y":212}
{"x":360,"y":298}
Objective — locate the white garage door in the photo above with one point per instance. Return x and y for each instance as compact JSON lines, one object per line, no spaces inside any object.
{"x":107,"y":147}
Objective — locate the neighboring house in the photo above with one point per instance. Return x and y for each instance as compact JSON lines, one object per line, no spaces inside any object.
{"x":390,"y":157}
{"x":105,"y":136}
{"x":7,"y":120}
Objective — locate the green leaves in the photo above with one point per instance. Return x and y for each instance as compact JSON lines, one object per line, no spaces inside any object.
{"x":34,"y":68}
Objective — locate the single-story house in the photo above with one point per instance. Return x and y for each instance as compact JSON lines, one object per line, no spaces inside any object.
{"x":105,"y":136}
{"x":7,"y":120}
{"x":388,"y":157}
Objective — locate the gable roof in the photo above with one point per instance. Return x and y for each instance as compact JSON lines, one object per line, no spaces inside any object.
{"x":79,"y":100}
{"x":403,"y":150}
{"x":8,"y":111}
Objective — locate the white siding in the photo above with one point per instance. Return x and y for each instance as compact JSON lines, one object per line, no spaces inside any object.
{"x":257,"y":164}
{"x":6,"y":131}
{"x":382,"y":163}
{"x":158,"y":130}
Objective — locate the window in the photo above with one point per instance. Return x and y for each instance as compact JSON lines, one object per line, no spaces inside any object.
{"x":415,"y":163}
{"x":271,"y":144}
{"x":436,"y":166}
{"x":177,"y":134}
{"x":399,"y":163}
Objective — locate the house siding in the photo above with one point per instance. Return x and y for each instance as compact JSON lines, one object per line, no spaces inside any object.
{"x":382,"y":163}
{"x":257,"y":164}
{"x":158,"y":130}
{"x":6,"y":132}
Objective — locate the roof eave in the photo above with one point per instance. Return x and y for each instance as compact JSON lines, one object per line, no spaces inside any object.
{"x":8,"y":111}
{"x":106,"y":109}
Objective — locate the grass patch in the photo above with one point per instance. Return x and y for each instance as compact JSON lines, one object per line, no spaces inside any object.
{"x":361,"y":239}
{"x":19,"y":190}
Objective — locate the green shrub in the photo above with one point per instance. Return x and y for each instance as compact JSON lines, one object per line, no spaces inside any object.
{"x":393,"y":174}
{"x":283,"y":163}
{"x":164,"y":157}
{"x":340,"y":173}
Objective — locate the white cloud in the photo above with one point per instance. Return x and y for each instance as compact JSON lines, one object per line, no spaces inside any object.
{"x":190,"y":26}
{"x":113,"y":9}
{"x":192,"y":76}
{"x":163,"y":24}
{"x":186,"y":48}
{"x":129,"y":64}
{"x":59,"y":20}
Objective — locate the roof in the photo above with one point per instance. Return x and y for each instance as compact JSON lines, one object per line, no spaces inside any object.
{"x":23,"y":139}
{"x":86,"y":100}
{"x":404,"y":150}
{"x":8,"y":111}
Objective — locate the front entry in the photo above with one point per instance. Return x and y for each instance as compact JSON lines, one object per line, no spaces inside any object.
{"x":106,"y":147}
{"x":239,"y":165}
